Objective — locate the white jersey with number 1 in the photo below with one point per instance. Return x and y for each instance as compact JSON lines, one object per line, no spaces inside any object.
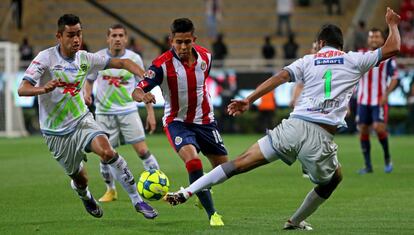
{"x":115,"y":86}
{"x":329,"y":78}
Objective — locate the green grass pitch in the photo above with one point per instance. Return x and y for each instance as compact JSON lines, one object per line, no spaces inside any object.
{"x":36,"y":197}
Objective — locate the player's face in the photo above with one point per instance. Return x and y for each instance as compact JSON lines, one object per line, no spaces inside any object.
{"x":375,"y":40}
{"x":70,"y":39}
{"x":183,"y":44}
{"x":117,"y":39}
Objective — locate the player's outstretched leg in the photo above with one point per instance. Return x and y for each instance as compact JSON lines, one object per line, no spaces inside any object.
{"x":149,"y":161}
{"x":81,"y":187}
{"x":111,"y":194}
{"x":383,"y":139}
{"x":312,"y":201}
{"x":119,"y":169}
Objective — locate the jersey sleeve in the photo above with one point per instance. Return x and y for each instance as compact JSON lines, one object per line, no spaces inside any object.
{"x":140,"y":63}
{"x":367,"y":60}
{"x":295,"y":70}
{"x":392,"y":70}
{"x":37,"y":68}
{"x":97,"y":62}
{"x":152,"y":78}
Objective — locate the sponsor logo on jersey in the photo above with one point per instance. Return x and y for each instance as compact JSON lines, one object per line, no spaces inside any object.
{"x":329,"y":61}
{"x":178,"y":140}
{"x":70,"y":88}
{"x":57,"y":68}
{"x":70,"y":69}
{"x":84,"y":67}
{"x":115,"y":81}
{"x":149,"y":74}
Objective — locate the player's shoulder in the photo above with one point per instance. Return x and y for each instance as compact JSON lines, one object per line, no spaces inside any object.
{"x":132,"y":55}
{"x":201,"y":49}
{"x":163,"y":58}
{"x":102,"y":52}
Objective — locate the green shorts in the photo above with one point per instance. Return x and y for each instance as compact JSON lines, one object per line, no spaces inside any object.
{"x":70,"y":150}
{"x":308,"y":142}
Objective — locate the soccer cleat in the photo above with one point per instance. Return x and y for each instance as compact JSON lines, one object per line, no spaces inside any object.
{"x":109,"y":196}
{"x":388,"y":168}
{"x":365,"y":171}
{"x":215,"y":220}
{"x":146,"y":210}
{"x":92,"y":207}
{"x":301,"y":226}
{"x":177,"y":197}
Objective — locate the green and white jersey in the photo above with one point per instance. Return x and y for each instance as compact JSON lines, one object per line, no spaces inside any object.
{"x":115,"y":86}
{"x":61,"y":110}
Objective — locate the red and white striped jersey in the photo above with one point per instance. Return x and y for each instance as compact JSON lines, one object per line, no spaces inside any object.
{"x":373,"y":84}
{"x":183,"y":86}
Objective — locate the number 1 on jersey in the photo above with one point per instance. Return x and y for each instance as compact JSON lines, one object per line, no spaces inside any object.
{"x":328,"y":78}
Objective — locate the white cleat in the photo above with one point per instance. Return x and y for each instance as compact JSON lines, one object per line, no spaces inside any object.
{"x":301,"y":226}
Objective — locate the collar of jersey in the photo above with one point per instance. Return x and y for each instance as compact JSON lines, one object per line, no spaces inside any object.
{"x":328,"y":48}
{"x":110,"y":55}
{"x":70,"y":60}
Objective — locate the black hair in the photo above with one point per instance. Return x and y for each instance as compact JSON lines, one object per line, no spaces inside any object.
{"x":117,"y":26}
{"x":182,"y":25}
{"x":378,"y":30}
{"x":332,"y":35}
{"x":67,"y":19}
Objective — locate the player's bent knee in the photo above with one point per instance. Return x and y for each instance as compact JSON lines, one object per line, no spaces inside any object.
{"x":325,"y":191}
{"x":109,"y":155}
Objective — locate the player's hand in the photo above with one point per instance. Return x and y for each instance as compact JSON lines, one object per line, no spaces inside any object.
{"x":88,"y":100}
{"x":51,"y":85}
{"x":237,"y":107}
{"x":151,"y":123}
{"x":383,"y":101}
{"x":148,"y":98}
{"x":391,"y":17}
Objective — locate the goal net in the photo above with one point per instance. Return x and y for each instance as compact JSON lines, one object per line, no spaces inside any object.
{"x":11,"y":116}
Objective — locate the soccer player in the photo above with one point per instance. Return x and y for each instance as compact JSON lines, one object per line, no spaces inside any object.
{"x":188,"y":115}
{"x":329,"y":77}
{"x":372,"y":103}
{"x":57,"y":75}
{"x":116,"y":112}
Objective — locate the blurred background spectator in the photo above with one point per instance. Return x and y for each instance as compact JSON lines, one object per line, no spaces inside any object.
{"x":134,"y":46}
{"x":268,"y":51}
{"x":213,"y":16}
{"x":360,"y":36}
{"x":26,"y":50}
{"x":267,"y":112}
{"x":284,"y":9}
{"x":290,"y":48}
{"x":330,"y":4}
{"x":219,"y":50}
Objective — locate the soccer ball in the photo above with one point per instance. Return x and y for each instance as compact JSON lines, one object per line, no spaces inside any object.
{"x":153,"y":184}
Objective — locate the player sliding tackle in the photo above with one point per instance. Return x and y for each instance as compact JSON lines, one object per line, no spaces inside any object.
{"x":329,"y":77}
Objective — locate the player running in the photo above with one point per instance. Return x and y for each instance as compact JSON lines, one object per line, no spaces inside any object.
{"x":372,"y":103}
{"x":116,"y":112}
{"x":57,"y":75}
{"x":188,"y":112}
{"x":329,"y":77}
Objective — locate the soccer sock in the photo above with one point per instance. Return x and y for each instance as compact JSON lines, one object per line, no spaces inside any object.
{"x":366,"y":150}
{"x":195,"y":171}
{"x":124,"y":176}
{"x":383,"y":139}
{"x":149,"y":161}
{"x":82,"y":192}
{"x":216,"y":176}
{"x":309,"y":205}
{"x":107,"y":176}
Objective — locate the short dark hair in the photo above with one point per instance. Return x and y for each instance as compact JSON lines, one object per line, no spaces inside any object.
{"x":332,"y":35}
{"x":117,"y":26}
{"x":182,"y":25}
{"x":67,"y":19}
{"x":378,"y":30}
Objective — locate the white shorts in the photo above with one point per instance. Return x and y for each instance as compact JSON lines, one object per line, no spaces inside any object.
{"x":122,"y":129}
{"x":70,"y":150}
{"x":311,"y":144}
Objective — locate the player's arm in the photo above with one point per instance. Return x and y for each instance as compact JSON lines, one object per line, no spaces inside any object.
{"x":237,"y":107}
{"x":297,"y":89}
{"x":126,"y":64}
{"x":26,"y":88}
{"x":151,"y":122}
{"x":392,"y":45}
{"x":87,"y":92}
{"x":152,"y":78}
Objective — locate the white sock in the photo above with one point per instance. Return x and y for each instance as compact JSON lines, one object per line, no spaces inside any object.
{"x":120,"y":170}
{"x":83,"y":193}
{"x":215,"y":176}
{"x":150,"y":163}
{"x":107,"y":176}
{"x":309,"y":205}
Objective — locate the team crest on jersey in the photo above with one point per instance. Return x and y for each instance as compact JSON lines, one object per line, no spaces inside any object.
{"x":178,"y":140}
{"x":149,"y":74}
{"x":84,"y":67}
{"x":203,"y":66}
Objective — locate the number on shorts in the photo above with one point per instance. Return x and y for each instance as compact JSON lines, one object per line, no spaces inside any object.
{"x":217,"y":136}
{"x":328,"y":79}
